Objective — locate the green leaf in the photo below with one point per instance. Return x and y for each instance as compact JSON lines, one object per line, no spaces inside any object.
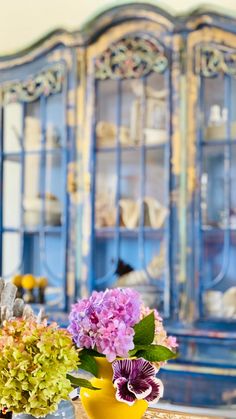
{"x":88,"y":363}
{"x":81,"y":382}
{"x":156,"y":353}
{"x":145,"y":330}
{"x":138,"y":348}
{"x":91,"y":352}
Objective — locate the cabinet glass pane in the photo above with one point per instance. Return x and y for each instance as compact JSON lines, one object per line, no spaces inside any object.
{"x":44,"y":257}
{"x":105,"y":212}
{"x":156,"y":192}
{"x":218,"y":198}
{"x":32,"y":128}
{"x":32,"y":201}
{"x":54,"y":122}
{"x":11,"y":193}
{"x":13,"y":127}
{"x":106,"y":130}
{"x":129,"y":184}
{"x":54,"y":191}
{"x":105,"y":258}
{"x":12,"y":254}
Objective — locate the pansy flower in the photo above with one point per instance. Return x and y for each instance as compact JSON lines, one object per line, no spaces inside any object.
{"x":134,"y":379}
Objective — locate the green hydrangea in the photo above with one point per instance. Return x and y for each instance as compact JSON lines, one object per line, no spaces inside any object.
{"x":35,"y":359}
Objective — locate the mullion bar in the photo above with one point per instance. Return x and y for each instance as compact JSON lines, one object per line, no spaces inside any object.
{"x":22,"y":185}
{"x":141,"y":238}
{"x":199,"y":234}
{"x":94,"y":86}
{"x":167,"y":186}
{"x":118,"y":170}
{"x":42,"y":177}
{"x":68,"y":144}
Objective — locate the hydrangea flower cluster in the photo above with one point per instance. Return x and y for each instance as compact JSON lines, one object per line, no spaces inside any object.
{"x":104,"y":322}
{"x":35,"y":359}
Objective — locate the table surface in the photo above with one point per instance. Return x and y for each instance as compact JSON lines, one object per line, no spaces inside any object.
{"x":150,"y":414}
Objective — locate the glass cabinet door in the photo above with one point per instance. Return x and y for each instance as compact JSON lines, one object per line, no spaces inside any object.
{"x":216,"y":197}
{"x":34,"y":157}
{"x":130,"y":163}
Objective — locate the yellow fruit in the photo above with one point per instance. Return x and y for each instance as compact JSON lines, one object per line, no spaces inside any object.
{"x":42,"y":282}
{"x":17,"y":280}
{"x":28,"y":282}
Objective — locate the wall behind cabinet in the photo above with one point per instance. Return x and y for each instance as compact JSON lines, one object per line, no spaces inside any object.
{"x":23,"y":22}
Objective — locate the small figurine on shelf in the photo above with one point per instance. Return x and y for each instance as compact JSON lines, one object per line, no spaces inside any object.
{"x":17,"y":281}
{"x":42,"y":282}
{"x":29,"y":283}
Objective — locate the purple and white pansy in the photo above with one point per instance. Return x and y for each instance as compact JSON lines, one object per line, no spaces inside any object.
{"x":135,"y":379}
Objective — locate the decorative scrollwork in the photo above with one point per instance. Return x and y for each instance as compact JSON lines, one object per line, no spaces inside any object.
{"x":46,"y":83}
{"x":131,"y":57}
{"x":212,"y":60}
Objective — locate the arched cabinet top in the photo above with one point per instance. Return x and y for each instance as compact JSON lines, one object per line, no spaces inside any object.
{"x":119,"y":15}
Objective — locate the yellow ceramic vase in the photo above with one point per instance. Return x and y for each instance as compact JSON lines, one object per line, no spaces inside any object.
{"x":102,"y":404}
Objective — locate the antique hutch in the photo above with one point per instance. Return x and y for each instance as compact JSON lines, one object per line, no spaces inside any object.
{"x":136,"y":114}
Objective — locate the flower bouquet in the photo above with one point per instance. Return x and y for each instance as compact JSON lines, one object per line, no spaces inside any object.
{"x":122,"y":344}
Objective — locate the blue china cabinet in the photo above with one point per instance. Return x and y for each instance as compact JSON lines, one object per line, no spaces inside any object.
{"x":118,"y":153}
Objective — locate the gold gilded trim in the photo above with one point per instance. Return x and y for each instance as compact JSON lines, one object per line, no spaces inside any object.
{"x":121,"y":31}
{"x":68,"y":40}
{"x":176,"y":135}
{"x":47,"y":82}
{"x":202,"y":20}
{"x":131,"y":57}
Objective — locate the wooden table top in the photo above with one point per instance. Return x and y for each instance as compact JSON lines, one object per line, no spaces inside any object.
{"x":150,"y":414}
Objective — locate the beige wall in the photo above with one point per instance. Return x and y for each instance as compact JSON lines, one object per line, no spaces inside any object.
{"x":24,"y":21}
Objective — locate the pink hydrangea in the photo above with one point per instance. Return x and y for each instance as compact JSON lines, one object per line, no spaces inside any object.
{"x":105,"y":321}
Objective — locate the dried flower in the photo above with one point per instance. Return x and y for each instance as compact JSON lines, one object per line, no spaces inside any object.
{"x":35,"y":359}
{"x":134,"y":379}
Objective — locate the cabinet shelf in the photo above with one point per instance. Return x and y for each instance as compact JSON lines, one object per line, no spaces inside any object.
{"x":221,"y":230}
{"x":110,"y":232}
{"x":214,"y":143}
{"x":131,"y":148}
{"x":34,"y":230}
{"x":214,"y":235}
{"x":15,"y":156}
